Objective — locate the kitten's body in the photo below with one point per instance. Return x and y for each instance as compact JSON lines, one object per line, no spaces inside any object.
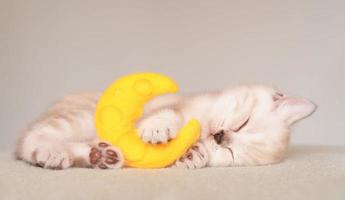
{"x":246,"y":125}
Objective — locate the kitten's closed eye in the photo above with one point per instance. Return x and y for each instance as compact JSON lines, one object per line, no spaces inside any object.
{"x":219,"y":136}
{"x":241,"y":126}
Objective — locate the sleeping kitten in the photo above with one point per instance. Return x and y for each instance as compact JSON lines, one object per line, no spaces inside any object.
{"x":245,"y":125}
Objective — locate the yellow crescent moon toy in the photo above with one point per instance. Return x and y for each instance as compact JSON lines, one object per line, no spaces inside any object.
{"x":122,"y":104}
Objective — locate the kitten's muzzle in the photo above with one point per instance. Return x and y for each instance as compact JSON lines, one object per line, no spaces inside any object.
{"x":219,"y":137}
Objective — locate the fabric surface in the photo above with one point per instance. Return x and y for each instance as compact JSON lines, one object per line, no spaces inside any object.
{"x":309,"y":172}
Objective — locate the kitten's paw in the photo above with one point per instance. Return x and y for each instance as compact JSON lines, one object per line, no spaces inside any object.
{"x":52,"y":157}
{"x":105,"y":156}
{"x":160,"y":127}
{"x":195,"y":158}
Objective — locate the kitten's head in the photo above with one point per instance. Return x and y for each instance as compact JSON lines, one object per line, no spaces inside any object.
{"x":251,"y":125}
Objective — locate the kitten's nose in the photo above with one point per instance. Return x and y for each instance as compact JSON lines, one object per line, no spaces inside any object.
{"x":218,"y":137}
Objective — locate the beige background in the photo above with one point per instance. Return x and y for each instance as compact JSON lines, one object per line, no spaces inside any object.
{"x":51,"y":48}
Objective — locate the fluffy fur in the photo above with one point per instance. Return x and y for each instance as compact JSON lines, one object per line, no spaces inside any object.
{"x":244,"y":125}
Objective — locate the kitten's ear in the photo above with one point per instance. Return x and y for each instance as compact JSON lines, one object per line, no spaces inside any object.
{"x":294,"y":109}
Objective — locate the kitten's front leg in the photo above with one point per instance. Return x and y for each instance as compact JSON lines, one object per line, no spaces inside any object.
{"x":160,"y":126}
{"x":195,"y":158}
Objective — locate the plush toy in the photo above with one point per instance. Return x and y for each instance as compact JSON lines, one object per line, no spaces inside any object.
{"x":122,"y":104}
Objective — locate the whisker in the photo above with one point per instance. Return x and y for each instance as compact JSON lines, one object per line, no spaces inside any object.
{"x":232,"y":153}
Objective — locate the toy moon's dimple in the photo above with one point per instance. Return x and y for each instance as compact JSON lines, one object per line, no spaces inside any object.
{"x":122,"y":104}
{"x":143,"y":87}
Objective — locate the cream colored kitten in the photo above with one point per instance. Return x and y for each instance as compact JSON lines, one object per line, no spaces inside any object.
{"x":245,"y":125}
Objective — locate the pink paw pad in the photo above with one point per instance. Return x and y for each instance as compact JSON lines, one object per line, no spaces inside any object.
{"x":104,"y":156}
